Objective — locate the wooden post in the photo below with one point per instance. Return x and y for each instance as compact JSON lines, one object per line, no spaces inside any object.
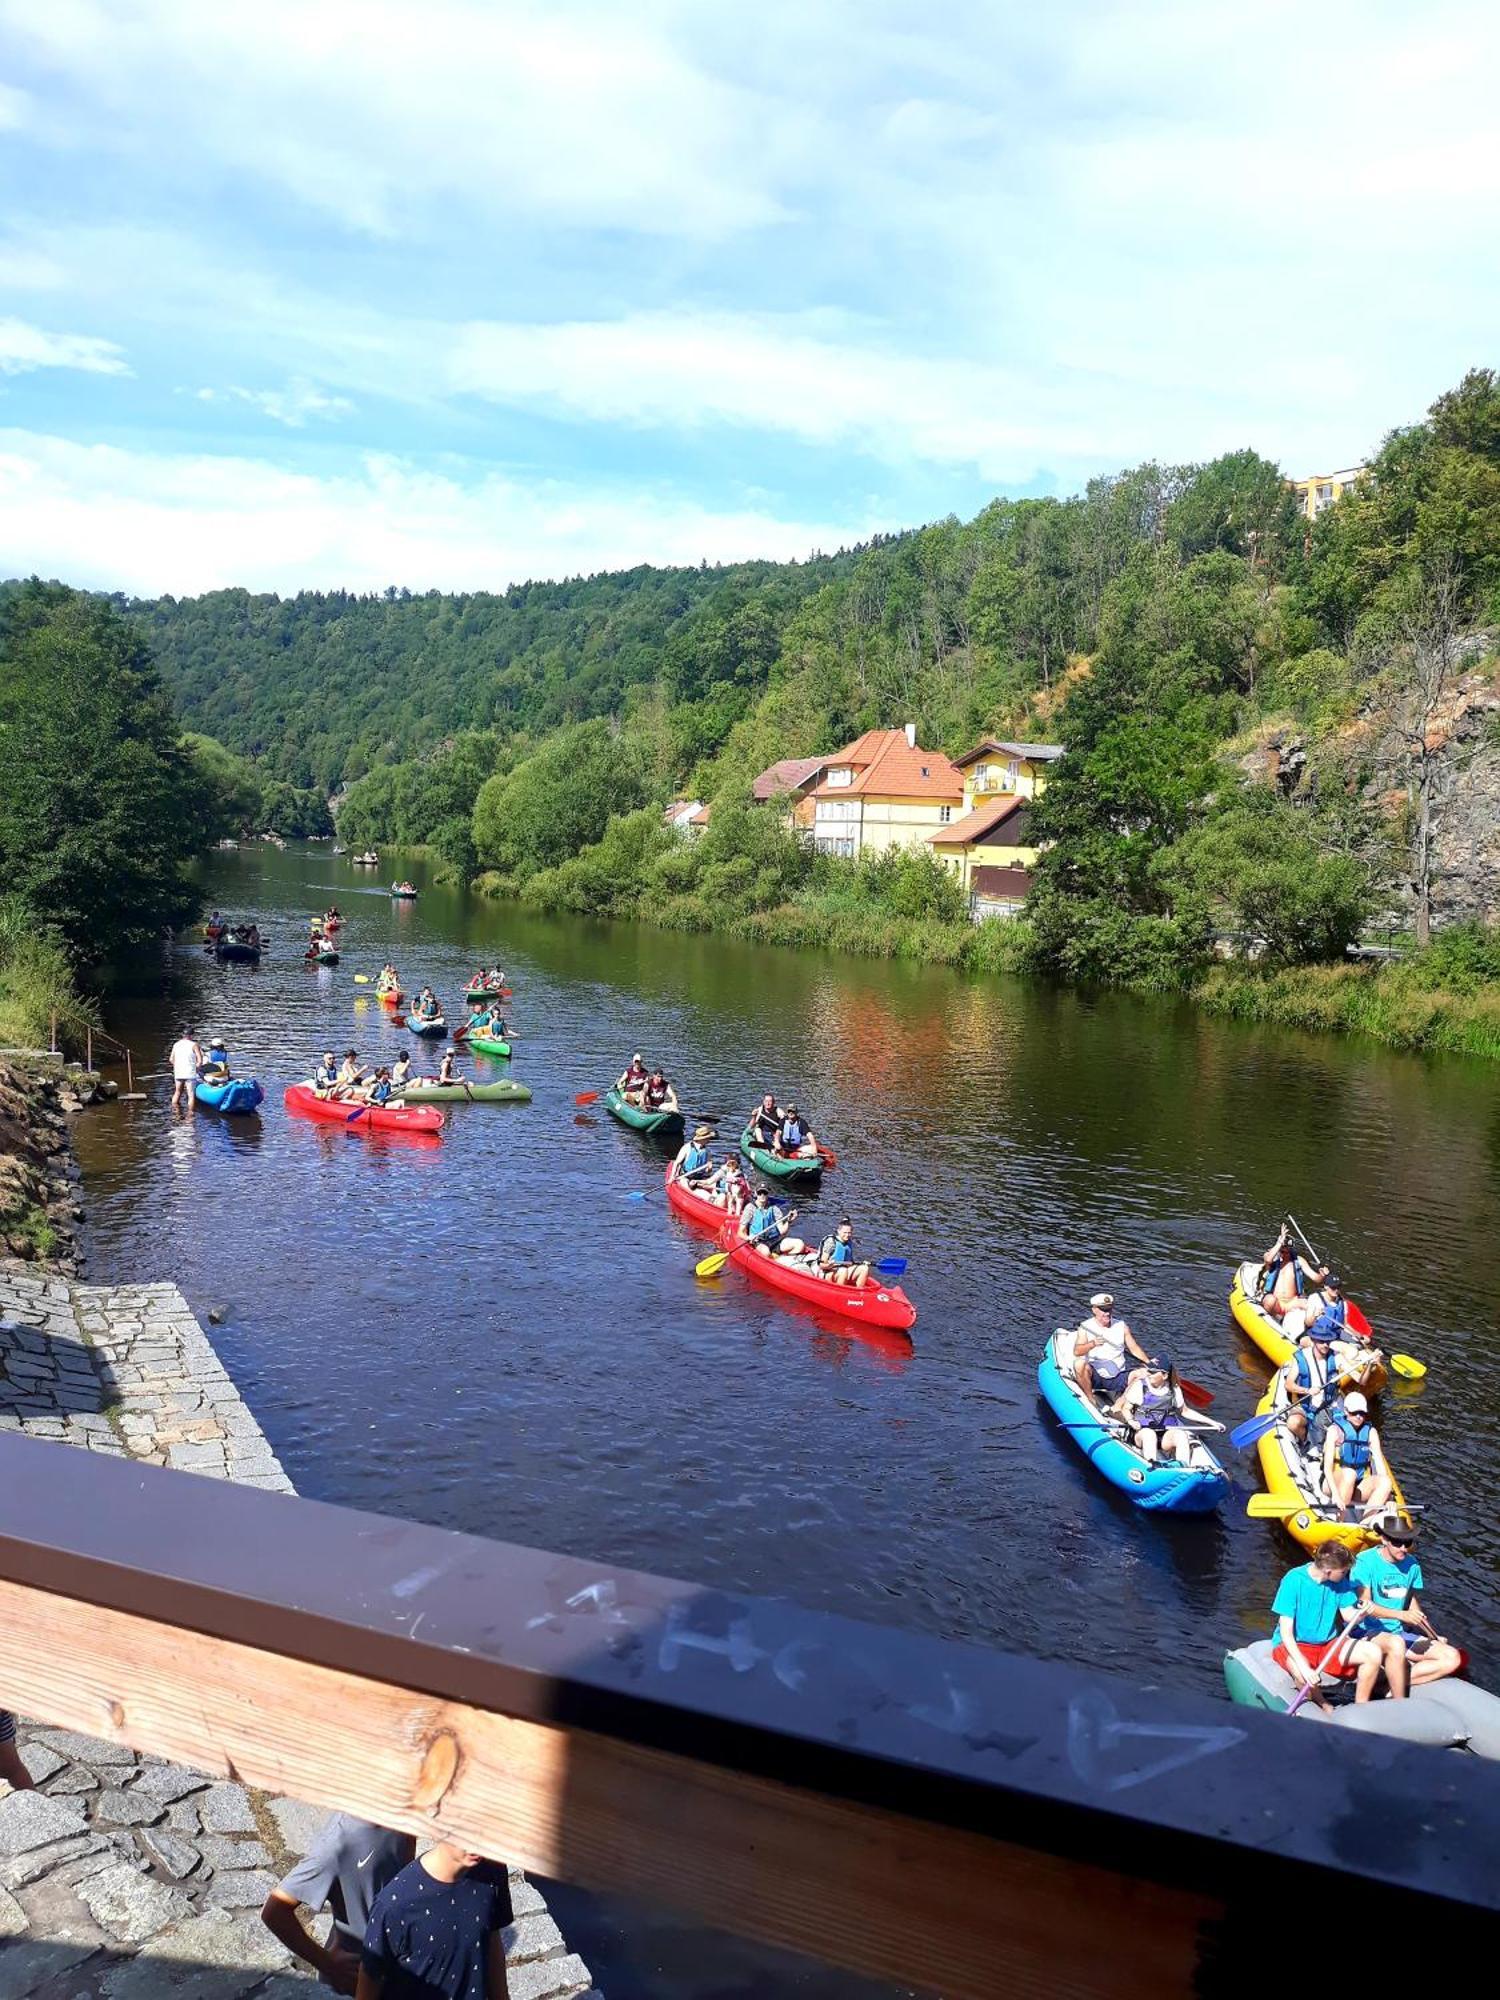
{"x":88,"y":1050}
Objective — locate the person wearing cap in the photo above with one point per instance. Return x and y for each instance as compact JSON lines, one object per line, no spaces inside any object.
{"x":764,"y":1226}
{"x":1307,"y":1385}
{"x":1152,"y":1405}
{"x":632,"y":1079}
{"x":1390,"y":1576}
{"x":694,"y":1163}
{"x":1100,"y":1349}
{"x":1314,"y":1606}
{"x":216,"y":1062}
{"x":839,"y":1261}
{"x":1353,"y":1459}
{"x":794,"y":1140}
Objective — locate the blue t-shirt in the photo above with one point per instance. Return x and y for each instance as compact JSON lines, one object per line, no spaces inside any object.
{"x":1391,"y":1583}
{"x":429,"y":1940}
{"x":1312,"y":1604}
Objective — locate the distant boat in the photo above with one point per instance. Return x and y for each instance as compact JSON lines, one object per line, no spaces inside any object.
{"x":229,"y":846}
{"x":369,"y":859}
{"x":404,"y":892}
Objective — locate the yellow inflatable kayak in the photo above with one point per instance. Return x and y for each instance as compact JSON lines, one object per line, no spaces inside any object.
{"x":1368,"y":1372}
{"x":1289,"y":1476}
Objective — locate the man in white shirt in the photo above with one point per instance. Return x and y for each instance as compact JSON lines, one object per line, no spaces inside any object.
{"x":187,"y":1059}
{"x":1105,"y":1352}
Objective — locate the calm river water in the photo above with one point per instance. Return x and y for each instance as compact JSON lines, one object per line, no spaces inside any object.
{"x":493,"y":1333}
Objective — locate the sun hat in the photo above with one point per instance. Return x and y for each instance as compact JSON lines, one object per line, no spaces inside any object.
{"x":701,"y":1132}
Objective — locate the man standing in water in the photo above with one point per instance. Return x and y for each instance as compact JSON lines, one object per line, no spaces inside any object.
{"x":187,"y":1059}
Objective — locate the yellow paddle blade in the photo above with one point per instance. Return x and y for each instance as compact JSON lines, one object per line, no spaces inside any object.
{"x":361,"y":978}
{"x":1266,"y":1507}
{"x":710,"y":1267}
{"x":1408,"y":1366}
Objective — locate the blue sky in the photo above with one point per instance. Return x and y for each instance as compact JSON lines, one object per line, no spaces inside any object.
{"x":455,"y":292}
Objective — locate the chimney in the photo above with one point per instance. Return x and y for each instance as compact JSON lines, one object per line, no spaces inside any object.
{"x":911,"y":736}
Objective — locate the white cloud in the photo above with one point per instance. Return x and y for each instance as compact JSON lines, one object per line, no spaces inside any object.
{"x":24,"y":347}
{"x":293,"y":406}
{"x":150,"y":522}
{"x":371,"y":111}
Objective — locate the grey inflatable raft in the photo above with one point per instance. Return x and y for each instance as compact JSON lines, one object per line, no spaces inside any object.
{"x":1450,"y":1714}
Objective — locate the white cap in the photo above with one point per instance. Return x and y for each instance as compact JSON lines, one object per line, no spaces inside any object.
{"x":1355,"y":1401}
{"x":1102,"y":1299}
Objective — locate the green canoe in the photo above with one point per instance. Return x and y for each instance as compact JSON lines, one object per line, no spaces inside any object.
{"x":486,"y":1045}
{"x":662,"y":1124}
{"x":430,"y":1092}
{"x":778,"y":1168}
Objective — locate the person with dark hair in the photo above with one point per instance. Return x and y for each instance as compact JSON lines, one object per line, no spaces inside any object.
{"x":1391,"y":1576}
{"x":839,"y":1261}
{"x":435,"y":1931}
{"x":1152,"y":1405}
{"x":186,"y":1060}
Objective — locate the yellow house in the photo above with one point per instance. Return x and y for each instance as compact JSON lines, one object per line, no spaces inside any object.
{"x":1323,"y":488}
{"x":990,"y":847}
{"x":884,"y":790}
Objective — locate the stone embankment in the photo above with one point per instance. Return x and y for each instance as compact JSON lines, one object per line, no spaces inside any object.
{"x":39,"y":1205}
{"x":123,"y":1877}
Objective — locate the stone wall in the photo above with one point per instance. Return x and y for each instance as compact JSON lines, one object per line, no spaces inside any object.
{"x":123,"y":1877}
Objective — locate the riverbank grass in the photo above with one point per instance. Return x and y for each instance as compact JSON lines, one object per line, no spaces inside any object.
{"x":36,"y":985}
{"x":1394,"y":1003}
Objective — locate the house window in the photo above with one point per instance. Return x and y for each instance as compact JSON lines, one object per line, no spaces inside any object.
{"x":842,"y":776}
{"x":945,"y":814}
{"x":1012,"y":775}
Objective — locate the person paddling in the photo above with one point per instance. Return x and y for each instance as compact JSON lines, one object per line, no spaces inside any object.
{"x":1306,"y":1386}
{"x":632,"y":1079}
{"x":401,"y":1070}
{"x":765,"y":1123}
{"x":1391,"y":1576}
{"x":693,"y":1163}
{"x":1154,"y":1408}
{"x":839,"y":1261}
{"x":448,"y":1067}
{"x":1354,"y":1459}
{"x":1314,"y":1606}
{"x":764,"y":1227}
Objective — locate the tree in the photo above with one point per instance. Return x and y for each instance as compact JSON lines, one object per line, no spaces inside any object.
{"x":556,"y":802}
{"x":101,"y":808}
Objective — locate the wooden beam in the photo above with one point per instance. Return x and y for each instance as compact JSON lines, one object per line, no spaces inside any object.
{"x":893,"y":1897}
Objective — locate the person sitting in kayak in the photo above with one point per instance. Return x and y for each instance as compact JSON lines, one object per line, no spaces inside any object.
{"x":632,"y":1079}
{"x":765,"y":1123}
{"x":728,"y":1185}
{"x":425,"y":1006}
{"x":693,"y":1163}
{"x":388,"y":981}
{"x":763,"y":1226}
{"x":1391,"y":1576}
{"x":216,"y":1062}
{"x":1354,"y":1461}
{"x":350,"y":1075}
{"x":839,"y":1262}
{"x":401,"y":1071}
{"x":1285,"y":1276}
{"x":1314,"y":1605}
{"x":1307,"y":1385}
{"x":448,"y":1067}
{"x":1153,"y":1407}
{"x":794,"y":1140}
{"x":379,"y":1088}
{"x":657,"y":1094}
{"x":326,"y":1075}
{"x":1100,"y":1350}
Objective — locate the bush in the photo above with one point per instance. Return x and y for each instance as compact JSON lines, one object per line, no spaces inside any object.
{"x":36,"y":984}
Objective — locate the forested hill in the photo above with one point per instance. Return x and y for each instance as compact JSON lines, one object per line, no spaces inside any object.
{"x":325,"y":685}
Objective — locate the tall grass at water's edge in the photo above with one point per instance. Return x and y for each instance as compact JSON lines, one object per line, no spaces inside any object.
{"x":1390,"y":1002}
{"x":36,"y":984}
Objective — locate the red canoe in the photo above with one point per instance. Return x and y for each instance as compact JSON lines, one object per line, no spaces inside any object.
{"x":303,"y":1098}
{"x":394,"y":998}
{"x":876,"y":1305}
{"x":695,"y":1207}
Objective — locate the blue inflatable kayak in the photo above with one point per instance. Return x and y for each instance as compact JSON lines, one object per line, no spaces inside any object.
{"x":1165,"y":1488}
{"x":419,"y":1024}
{"x":240,"y":1093}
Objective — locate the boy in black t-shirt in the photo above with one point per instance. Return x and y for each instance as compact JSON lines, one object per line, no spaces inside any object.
{"x":434,"y":1932}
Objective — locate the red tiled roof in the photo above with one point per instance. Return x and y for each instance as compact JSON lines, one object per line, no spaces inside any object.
{"x":790,"y":775}
{"x":975,"y":825}
{"x":700,"y":817}
{"x":1029,"y":753}
{"x":885,"y":762}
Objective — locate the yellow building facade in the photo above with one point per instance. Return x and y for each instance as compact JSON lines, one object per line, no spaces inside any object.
{"x":1324,"y":488}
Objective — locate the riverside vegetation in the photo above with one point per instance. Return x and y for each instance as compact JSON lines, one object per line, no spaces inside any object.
{"x":1166,"y":625}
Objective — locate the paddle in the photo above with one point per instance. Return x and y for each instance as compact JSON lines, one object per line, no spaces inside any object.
{"x":827,"y":1155}
{"x":1254,"y":1428}
{"x":588,"y":1097}
{"x":1405,"y":1365}
{"x":1268,"y":1507}
{"x":1312,"y":1687}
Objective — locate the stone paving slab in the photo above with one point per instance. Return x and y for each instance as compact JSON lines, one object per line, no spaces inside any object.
{"x":124,"y":1877}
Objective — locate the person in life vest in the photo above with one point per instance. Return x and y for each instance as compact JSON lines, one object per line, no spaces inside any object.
{"x":1102,"y":1351}
{"x":838,"y":1260}
{"x":1390,"y":1576}
{"x":326,"y":1075}
{"x":1152,"y":1405}
{"x":1308,"y":1384}
{"x":764,"y":1226}
{"x":657,"y":1094}
{"x":1314,"y":1606}
{"x":1353,"y":1460}
{"x":694,"y":1163}
{"x":216,"y":1062}
{"x":765,"y":1123}
{"x":378,"y":1089}
{"x":729,"y":1185}
{"x":388,"y":981}
{"x":795,"y":1139}
{"x":1285,"y":1276}
{"x":632,"y":1079}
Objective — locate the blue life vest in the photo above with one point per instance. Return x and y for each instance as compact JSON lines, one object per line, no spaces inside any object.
{"x":835,"y":1252}
{"x":1330,"y":1319}
{"x":694,"y":1160}
{"x":793,"y":1136}
{"x":1273,"y":1272}
{"x":1305,"y":1379}
{"x":379,"y":1093}
{"x":763,"y":1222}
{"x":1354,"y":1445}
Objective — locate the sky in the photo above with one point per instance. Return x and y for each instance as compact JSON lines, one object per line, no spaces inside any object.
{"x":455,"y":293}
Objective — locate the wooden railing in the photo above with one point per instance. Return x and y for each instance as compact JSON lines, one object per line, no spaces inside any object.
{"x":966,"y":1822}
